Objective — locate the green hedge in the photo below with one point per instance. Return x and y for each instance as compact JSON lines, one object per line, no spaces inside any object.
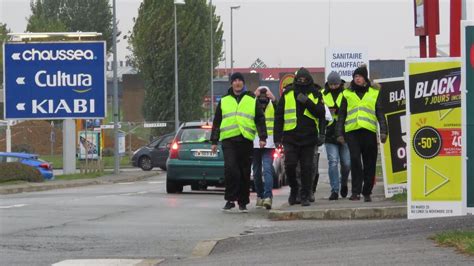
{"x":19,"y":171}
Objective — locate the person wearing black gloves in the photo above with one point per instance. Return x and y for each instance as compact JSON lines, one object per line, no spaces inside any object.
{"x":359,"y":115}
{"x":237,"y":120}
{"x":300,"y":125}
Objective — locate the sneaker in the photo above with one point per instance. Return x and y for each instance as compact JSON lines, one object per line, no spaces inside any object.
{"x":259,"y":203}
{"x":334,"y":196}
{"x":243,"y":209}
{"x":228,"y":206}
{"x":367,"y":198}
{"x":305,"y":202}
{"x":344,"y":191}
{"x":354,"y":197}
{"x":267,"y":203}
{"x":311,"y":197}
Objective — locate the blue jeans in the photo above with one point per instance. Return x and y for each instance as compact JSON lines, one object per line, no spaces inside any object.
{"x":338,"y":153}
{"x":265,"y":157}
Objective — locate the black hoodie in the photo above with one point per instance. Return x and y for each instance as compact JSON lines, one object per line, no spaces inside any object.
{"x":305,"y":132}
{"x":259,"y":119}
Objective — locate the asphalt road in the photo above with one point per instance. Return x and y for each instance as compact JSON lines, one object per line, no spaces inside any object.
{"x":140,"y":221}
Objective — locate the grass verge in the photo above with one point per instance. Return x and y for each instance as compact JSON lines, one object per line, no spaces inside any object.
{"x":462,"y":241}
{"x":57,"y":161}
{"x":402,"y":197}
{"x":80,"y":176}
{"x":13,"y":182}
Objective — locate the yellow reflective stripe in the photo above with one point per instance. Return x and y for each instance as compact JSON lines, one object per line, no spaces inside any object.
{"x":245,"y":115}
{"x":365,"y":109}
{"x":352,"y":121}
{"x":250,"y":130}
{"x":368,"y":120}
{"x":355,"y":110}
{"x":229,"y":115}
{"x":223,"y":129}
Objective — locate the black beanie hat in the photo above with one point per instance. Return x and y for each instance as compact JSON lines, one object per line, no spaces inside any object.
{"x":362,"y":70}
{"x":237,"y":75}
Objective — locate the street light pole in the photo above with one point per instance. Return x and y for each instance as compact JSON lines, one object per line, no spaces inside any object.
{"x":212,"y":61}
{"x":115,"y":102}
{"x":176,"y":104}
{"x":232,"y":38}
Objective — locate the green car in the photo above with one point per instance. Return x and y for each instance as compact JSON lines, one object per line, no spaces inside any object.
{"x":191,"y":161}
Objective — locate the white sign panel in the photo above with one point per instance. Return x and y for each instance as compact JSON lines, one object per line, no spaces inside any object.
{"x":345,"y":60}
{"x":152,"y":125}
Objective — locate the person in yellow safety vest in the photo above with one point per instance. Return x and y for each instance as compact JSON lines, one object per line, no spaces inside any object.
{"x":263,"y":157}
{"x":237,"y":120}
{"x":300,"y":126}
{"x":337,"y":153}
{"x":359,"y":116}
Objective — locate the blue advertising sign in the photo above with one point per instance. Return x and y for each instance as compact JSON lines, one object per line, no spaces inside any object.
{"x":54,"y":80}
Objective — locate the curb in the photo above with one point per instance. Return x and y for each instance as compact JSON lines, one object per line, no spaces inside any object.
{"x":394,"y":212}
{"x":69,"y":184}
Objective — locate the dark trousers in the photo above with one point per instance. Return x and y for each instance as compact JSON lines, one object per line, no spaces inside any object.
{"x":315,"y":170}
{"x":363,"y":149}
{"x":237,"y":163}
{"x":304,"y":155}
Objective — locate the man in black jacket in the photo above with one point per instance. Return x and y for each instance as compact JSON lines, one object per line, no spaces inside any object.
{"x":359,"y":114}
{"x":300,"y":126}
{"x":236,"y":121}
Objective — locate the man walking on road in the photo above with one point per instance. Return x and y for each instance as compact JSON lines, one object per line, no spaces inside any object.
{"x":359,"y":115}
{"x":300,"y":126}
{"x":236,"y":122}
{"x":263,"y":157}
{"x":336,"y":152}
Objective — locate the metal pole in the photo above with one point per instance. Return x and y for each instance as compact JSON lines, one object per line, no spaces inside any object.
{"x":114,"y":65}
{"x":9,"y":137}
{"x":225,"y":57}
{"x":176,"y":110}
{"x":231,"y":43}
{"x":212,"y":61}
{"x":464,"y":10}
{"x":329,"y":25}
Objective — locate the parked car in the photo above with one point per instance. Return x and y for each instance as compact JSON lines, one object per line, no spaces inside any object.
{"x":154,"y":154}
{"x":191,"y":161}
{"x":45,"y":168}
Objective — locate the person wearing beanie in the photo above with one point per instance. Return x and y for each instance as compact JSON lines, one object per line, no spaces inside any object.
{"x":237,"y":121}
{"x":337,"y":153}
{"x":359,"y":116}
{"x":300,"y":126}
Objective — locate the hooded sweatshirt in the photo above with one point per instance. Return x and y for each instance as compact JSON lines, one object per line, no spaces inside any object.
{"x":305,"y":132}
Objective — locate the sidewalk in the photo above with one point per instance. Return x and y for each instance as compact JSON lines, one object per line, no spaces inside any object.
{"x":323,"y":209}
{"x":124,"y":176}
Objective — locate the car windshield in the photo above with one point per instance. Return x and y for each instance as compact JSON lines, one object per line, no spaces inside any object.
{"x":194,"y":135}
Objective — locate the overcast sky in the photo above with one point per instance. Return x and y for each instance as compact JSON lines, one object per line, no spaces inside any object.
{"x":293,"y":33}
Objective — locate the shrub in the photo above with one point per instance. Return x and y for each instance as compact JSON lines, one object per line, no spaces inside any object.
{"x":24,"y":148}
{"x":18,"y":171}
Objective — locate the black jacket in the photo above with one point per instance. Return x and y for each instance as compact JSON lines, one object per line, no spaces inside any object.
{"x":331,"y":129}
{"x":379,"y":113}
{"x":259,"y":120}
{"x":305,"y":132}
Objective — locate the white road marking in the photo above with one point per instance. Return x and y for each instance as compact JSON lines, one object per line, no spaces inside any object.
{"x":142,"y":192}
{"x":13,"y":206}
{"x":126,"y":183}
{"x":156,"y":182}
{"x":108,"y":262}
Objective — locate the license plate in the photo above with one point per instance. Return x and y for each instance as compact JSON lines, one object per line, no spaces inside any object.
{"x":206,"y":154}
